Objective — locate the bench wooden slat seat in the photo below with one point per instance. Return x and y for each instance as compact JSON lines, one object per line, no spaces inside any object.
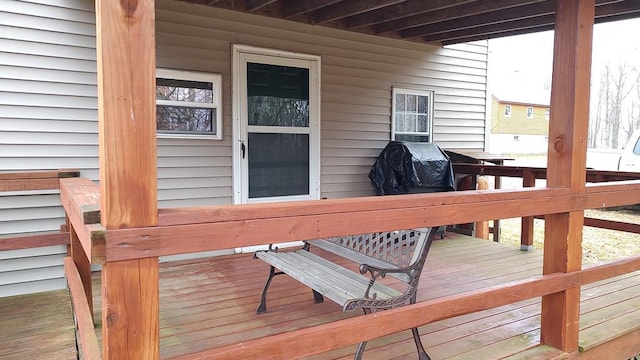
{"x":400,"y":254}
{"x":331,"y":280}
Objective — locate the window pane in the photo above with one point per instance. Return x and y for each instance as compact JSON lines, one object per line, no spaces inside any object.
{"x":422,"y":123}
{"x":400,"y":99}
{"x":277,"y":95}
{"x":412,"y":103}
{"x":278,"y":164}
{"x":422,"y":104}
{"x":412,"y":138}
{"x":399,"y":122}
{"x":410,"y":123}
{"x":185,"y":119}
{"x":184,"y":90}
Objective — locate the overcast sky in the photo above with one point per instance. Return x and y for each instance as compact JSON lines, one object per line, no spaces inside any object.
{"x":527,"y":59}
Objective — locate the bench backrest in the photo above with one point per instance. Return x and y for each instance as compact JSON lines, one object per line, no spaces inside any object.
{"x":400,"y":249}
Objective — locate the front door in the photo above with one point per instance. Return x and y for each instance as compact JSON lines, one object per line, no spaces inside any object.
{"x":276,"y":126}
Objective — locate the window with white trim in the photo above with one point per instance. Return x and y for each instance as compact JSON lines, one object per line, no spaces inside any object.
{"x":529,"y":112}
{"x":507,"y":110}
{"x":412,"y":115}
{"x":188,"y":104}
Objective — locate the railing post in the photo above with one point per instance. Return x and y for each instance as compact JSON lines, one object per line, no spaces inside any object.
{"x":526,"y":231}
{"x":567,"y":165}
{"x":82,"y":263}
{"x":125,"y":34}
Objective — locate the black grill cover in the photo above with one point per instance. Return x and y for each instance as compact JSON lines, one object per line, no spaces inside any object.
{"x":408,"y":167}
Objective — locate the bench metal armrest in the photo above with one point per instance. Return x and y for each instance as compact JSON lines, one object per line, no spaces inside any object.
{"x":377,"y":272}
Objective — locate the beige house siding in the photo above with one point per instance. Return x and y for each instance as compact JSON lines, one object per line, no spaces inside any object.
{"x":48,"y":107}
{"x":356,"y":76}
{"x":518,"y":123}
{"x":47,"y":120}
{"x":518,"y":133}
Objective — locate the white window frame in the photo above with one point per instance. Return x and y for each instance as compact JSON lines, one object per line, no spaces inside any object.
{"x":530,"y":112}
{"x":407,"y":91}
{"x":215,"y":105}
{"x":547,"y":112}
{"x":507,"y":111}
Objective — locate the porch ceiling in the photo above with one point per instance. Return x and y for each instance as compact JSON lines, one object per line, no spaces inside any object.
{"x":433,"y":21}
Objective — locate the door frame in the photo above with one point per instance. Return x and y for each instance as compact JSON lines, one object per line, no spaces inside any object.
{"x":239,"y":131}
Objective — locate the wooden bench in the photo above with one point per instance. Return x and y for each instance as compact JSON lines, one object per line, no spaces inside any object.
{"x":400,"y":254}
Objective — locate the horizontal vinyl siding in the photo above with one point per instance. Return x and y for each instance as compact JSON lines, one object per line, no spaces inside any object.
{"x":48,"y":120}
{"x":48,"y":107}
{"x":356,"y":80}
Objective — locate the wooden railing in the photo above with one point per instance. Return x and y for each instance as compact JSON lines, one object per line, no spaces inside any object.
{"x":21,"y":181}
{"x":185,"y":230}
{"x":34,"y":181}
{"x":529,"y":175}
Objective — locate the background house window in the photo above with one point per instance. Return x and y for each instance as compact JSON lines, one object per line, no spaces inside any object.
{"x":547,"y":112}
{"x":529,"y":112}
{"x":412,"y":115}
{"x":188,"y":104}
{"x":507,"y":110}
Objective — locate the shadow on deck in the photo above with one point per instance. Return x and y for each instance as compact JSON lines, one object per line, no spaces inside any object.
{"x":211,"y":302}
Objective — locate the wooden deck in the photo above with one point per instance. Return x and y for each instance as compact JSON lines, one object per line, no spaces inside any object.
{"x":211,"y":302}
{"x":37,"y":326}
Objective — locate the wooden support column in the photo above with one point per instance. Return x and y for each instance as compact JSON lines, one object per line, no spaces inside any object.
{"x":567,"y":164}
{"x":526,"y":227}
{"x":125,"y":32}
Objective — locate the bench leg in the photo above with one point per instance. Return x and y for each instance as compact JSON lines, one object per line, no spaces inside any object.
{"x":262,"y":307}
{"x":422,"y":355}
{"x":360,"y":351}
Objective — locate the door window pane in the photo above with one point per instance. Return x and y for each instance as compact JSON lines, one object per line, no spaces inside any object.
{"x":278,"y":164}
{"x":277,"y":95}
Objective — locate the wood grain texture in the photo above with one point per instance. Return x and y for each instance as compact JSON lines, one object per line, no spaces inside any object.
{"x":34,"y":180}
{"x":208,"y":303}
{"x":130,"y":306}
{"x":234,"y":227}
{"x":82,"y":265}
{"x":37,"y":326}
{"x":80,"y":198}
{"x":83,"y":311}
{"x":568,"y":127}
{"x":526,"y":226}
{"x":125,"y":34}
{"x":33,"y":240}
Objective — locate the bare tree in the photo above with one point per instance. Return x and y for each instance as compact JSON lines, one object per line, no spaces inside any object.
{"x":612,"y":120}
{"x":632,"y":122}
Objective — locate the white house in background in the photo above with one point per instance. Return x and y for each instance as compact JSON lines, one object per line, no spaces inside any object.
{"x":344,"y":95}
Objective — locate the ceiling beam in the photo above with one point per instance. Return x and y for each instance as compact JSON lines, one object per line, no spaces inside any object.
{"x":496,"y":35}
{"x":291,"y":8}
{"x":501,"y":16}
{"x":253,"y":5}
{"x":456,"y":12}
{"x":487,"y":30}
{"x":399,"y":11}
{"x":351,"y":8}
{"x":606,"y":11}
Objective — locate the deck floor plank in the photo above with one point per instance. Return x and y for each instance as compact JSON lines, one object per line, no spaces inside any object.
{"x":205,"y":303}
{"x":37,"y":326}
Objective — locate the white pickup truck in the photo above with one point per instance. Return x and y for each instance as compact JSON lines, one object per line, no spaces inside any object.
{"x":630,"y":158}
